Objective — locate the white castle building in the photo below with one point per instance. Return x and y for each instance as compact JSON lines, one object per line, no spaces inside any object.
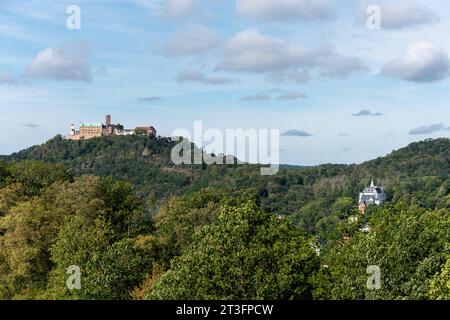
{"x":372,"y":195}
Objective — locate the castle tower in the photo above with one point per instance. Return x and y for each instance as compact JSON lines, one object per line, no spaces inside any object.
{"x":109,"y":127}
{"x":72,"y":130}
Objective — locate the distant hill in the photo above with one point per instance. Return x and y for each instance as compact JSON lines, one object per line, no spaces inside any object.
{"x":143,"y":160}
{"x":420,"y":169}
{"x":425,"y":158}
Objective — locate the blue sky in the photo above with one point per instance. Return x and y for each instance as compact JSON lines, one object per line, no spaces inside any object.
{"x":312,"y":66}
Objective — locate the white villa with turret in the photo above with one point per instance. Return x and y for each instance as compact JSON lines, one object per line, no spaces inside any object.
{"x":372,"y":195}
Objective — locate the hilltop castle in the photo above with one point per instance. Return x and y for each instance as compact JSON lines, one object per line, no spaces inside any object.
{"x":97,"y":129}
{"x":371,"y":195}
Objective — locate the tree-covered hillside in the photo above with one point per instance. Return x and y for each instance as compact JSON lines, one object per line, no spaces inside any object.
{"x":418,"y":172}
{"x":141,"y":227}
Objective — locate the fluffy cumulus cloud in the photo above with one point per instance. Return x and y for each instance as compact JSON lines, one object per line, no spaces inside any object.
{"x":367,"y":113}
{"x":195,"y":40}
{"x":420,"y":62}
{"x":428,"y":129}
{"x":68,"y":62}
{"x":296,"y":133}
{"x":251,"y":51}
{"x":285,"y":10}
{"x":197,"y":76}
{"x":399,"y":14}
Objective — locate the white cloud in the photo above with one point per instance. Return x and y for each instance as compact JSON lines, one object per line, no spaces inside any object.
{"x":332,"y":64}
{"x":30,"y":125}
{"x":177,"y":8}
{"x":253,"y":52}
{"x":291,"y":96}
{"x":278,"y":94}
{"x":285,"y":10}
{"x":367,"y":113}
{"x":296,"y":76}
{"x":68,"y":62}
{"x":257,"y":97}
{"x":170,"y":8}
{"x":296,"y":133}
{"x":420,"y":62}
{"x":196,"y":40}
{"x":150,"y":99}
{"x":197,"y":76}
{"x":250,"y":51}
{"x":400,"y":14}
{"x":428,"y":129}
{"x":26,"y":125}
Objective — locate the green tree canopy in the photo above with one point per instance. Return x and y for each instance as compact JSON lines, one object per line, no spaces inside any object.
{"x":407,"y":243}
{"x":246,"y":254}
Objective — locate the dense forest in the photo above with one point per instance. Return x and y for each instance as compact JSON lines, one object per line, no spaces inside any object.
{"x":140,"y":227}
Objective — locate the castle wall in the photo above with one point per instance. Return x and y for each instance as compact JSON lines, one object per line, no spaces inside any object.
{"x":87,"y":132}
{"x":94,"y":130}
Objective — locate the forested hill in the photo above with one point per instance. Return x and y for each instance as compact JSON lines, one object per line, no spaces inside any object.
{"x":104,"y":156}
{"x":181,"y":232}
{"x":418,"y":170}
{"x":425,"y":158}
